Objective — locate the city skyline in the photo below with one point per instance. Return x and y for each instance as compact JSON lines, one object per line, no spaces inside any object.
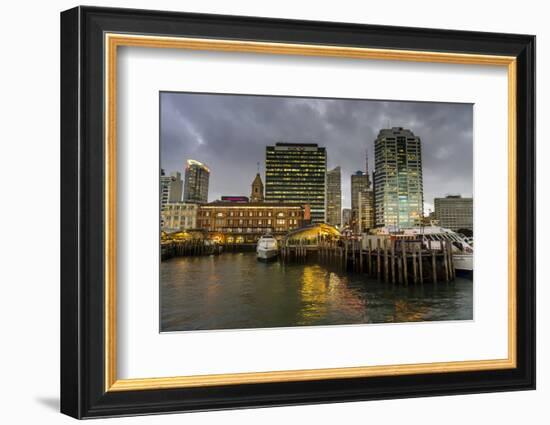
{"x":229,"y":133}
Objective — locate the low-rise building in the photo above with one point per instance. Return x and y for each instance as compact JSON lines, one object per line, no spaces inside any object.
{"x":234,"y":222}
{"x":455,"y":212}
{"x":177,"y":216}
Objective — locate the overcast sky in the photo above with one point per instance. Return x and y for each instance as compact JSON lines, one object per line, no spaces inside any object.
{"x":229,"y":134}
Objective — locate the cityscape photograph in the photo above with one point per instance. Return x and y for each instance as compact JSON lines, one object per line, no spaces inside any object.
{"x":279,"y":211}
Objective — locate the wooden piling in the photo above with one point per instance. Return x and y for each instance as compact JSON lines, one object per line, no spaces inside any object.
{"x":392,"y":245}
{"x":378,"y":265}
{"x":420,"y":265}
{"x":415,"y":279}
{"x":405,"y":271}
{"x":386,"y":265}
{"x":444,"y":253}
{"x":434,"y":269}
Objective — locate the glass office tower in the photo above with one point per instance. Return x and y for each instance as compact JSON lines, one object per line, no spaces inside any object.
{"x":296,"y":173}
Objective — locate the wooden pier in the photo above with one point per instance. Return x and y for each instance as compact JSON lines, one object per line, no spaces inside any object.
{"x":391,"y":260}
{"x":192,"y":247}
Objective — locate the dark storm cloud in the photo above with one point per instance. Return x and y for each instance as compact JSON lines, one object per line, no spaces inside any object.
{"x":229,"y":133}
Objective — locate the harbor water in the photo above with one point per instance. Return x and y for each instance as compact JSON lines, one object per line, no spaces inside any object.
{"x":236,"y":291}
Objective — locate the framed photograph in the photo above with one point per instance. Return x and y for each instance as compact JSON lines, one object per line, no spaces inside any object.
{"x":261,"y":212}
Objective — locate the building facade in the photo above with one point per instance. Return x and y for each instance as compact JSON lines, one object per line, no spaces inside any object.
{"x":245,"y":223}
{"x":177,"y":216}
{"x":398,"y":184}
{"x":296,"y":173}
{"x":197,"y":176}
{"x":170,"y":188}
{"x":257,"y":193}
{"x":360,"y":183}
{"x":334,"y":197}
{"x":346,"y":217}
{"x":454,"y":212}
{"x":365,"y":211}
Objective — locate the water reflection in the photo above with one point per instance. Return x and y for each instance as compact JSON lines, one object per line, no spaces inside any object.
{"x":235,"y":291}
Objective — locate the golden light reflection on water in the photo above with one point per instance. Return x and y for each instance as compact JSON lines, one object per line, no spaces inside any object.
{"x":322,"y":291}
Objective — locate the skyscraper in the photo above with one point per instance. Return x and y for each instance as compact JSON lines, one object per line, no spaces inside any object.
{"x":334,"y":197}
{"x":197,"y":176}
{"x":365,"y":211}
{"x":398,"y":197}
{"x":170,"y":188}
{"x":296,"y":173}
{"x":346,"y":217}
{"x":360,"y":183}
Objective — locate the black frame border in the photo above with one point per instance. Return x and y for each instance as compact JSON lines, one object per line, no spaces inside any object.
{"x":82,"y":207}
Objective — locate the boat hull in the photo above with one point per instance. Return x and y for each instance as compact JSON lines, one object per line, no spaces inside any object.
{"x":266,"y":254}
{"x":463,"y":262}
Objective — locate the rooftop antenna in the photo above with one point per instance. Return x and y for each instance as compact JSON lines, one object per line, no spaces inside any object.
{"x":367,"y":161}
{"x":258,"y":164}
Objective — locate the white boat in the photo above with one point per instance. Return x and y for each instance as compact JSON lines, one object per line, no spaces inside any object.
{"x":432,"y":236}
{"x":267,"y":248}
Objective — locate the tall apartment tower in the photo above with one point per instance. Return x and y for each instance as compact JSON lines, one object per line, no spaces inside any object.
{"x":197,"y":176}
{"x":360,"y":182}
{"x":170,"y":188}
{"x":398,"y":196}
{"x":296,"y":173}
{"x":257,"y":194}
{"x":334,"y":197}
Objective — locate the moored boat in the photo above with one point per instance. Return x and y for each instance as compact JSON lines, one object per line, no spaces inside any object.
{"x":267,"y":248}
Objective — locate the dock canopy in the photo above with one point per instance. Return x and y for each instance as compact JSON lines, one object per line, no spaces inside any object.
{"x":310,"y":234}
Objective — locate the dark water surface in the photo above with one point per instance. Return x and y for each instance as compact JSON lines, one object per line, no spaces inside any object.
{"x":235,"y":291}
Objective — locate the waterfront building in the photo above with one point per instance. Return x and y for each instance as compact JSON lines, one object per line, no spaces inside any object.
{"x":346,"y":217}
{"x":334,"y":197}
{"x":197,"y":176}
{"x":455,"y":212}
{"x":178,"y":216}
{"x":170,"y":188}
{"x":257,"y":194}
{"x":245,"y":223}
{"x":296,"y":173}
{"x":398,"y":185}
{"x":365,"y":210}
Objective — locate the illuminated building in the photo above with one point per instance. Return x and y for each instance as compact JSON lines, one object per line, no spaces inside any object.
{"x":398,"y":187}
{"x":334,"y":197}
{"x":170,"y":188}
{"x":360,"y":183}
{"x":365,"y":210}
{"x":245,"y":223}
{"x":296,"y":173}
{"x":346,"y":217}
{"x":177,"y":216}
{"x":454,"y":212}
{"x":197,"y":176}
